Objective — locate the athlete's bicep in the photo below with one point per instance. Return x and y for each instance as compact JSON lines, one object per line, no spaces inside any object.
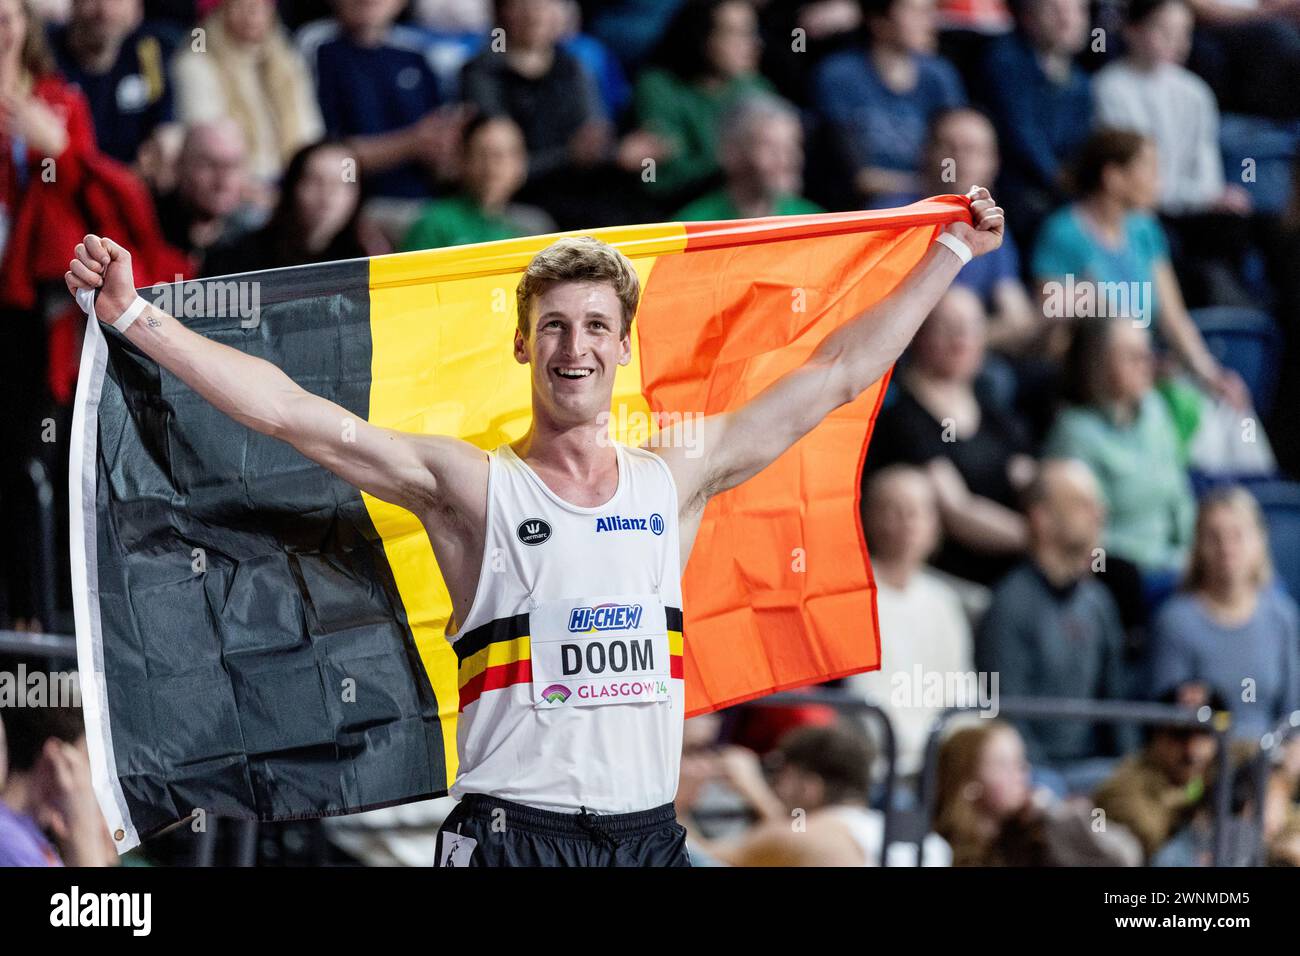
{"x":403,"y":468}
{"x":728,"y":449}
{"x":686,"y":448}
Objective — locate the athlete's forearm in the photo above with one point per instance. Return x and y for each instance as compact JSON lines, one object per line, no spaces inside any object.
{"x":252,"y":391}
{"x":860,"y":351}
{"x":391,"y":465}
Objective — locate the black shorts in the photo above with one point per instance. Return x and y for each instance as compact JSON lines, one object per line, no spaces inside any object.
{"x":485,"y":831}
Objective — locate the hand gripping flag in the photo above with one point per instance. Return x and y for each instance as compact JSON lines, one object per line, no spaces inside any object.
{"x":256,"y":638}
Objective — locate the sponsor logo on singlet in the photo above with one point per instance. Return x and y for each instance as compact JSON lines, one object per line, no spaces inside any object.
{"x":653,"y":524}
{"x":534,"y":531}
{"x":606,"y":617}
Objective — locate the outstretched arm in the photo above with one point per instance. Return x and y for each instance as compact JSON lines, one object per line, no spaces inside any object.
{"x":416,"y":472}
{"x":737,"y":445}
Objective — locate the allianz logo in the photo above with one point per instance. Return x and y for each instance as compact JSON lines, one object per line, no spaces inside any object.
{"x":654,"y":524}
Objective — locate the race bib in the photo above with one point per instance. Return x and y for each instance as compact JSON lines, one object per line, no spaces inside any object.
{"x":605,"y":650}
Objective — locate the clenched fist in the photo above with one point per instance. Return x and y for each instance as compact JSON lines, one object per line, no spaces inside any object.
{"x":103,"y":266}
{"x":989,"y":221}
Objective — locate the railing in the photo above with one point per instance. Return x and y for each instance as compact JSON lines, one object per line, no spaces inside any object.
{"x":31,"y":644}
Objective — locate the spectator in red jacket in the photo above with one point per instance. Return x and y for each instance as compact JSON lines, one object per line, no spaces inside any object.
{"x":55,"y":186}
{"x":45,"y":126}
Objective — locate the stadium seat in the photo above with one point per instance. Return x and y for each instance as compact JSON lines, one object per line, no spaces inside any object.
{"x":1280,"y":501}
{"x":1266,"y":149}
{"x":1247,"y":341}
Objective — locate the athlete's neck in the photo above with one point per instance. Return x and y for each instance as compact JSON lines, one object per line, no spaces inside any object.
{"x":582,"y":453}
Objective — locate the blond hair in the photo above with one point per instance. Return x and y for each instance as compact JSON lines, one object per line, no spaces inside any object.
{"x":578,"y":259}
{"x":1245,"y":504}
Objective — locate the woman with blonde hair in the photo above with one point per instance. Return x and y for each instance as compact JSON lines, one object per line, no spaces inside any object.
{"x":990,"y":815}
{"x":1231,"y":627}
{"x":243,"y":66}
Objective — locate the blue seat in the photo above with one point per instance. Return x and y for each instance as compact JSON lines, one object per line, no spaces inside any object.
{"x":1248,"y":342}
{"x":1280,"y":501}
{"x":1270,"y":147}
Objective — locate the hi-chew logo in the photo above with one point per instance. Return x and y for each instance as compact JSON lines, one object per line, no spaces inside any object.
{"x":605,"y":617}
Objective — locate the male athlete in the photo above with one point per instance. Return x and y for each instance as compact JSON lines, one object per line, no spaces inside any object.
{"x":563,"y":551}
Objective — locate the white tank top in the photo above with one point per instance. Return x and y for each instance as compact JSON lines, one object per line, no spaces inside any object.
{"x":571,"y":690}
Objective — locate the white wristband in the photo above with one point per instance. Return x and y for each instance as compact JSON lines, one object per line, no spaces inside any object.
{"x":956,"y":245}
{"x":131,"y":313}
{"x":86,"y":300}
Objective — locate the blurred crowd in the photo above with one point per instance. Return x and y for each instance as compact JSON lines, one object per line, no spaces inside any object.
{"x":1082,"y":478}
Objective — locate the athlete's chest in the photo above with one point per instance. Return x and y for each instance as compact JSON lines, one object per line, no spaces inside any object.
{"x":546,"y":545}
{"x":563,"y":543}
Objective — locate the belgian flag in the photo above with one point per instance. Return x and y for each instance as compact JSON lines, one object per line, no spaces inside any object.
{"x":257,"y":638}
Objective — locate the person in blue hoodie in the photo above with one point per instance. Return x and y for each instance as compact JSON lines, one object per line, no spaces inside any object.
{"x":1041,"y":101}
{"x":877,"y":102}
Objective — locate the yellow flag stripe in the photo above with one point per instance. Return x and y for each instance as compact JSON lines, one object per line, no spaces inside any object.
{"x":441,"y":324}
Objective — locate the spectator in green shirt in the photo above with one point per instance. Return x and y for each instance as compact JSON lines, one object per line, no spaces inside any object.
{"x":1119,"y":425}
{"x":707,"y":61}
{"x":761,"y":149}
{"x":495,"y":167}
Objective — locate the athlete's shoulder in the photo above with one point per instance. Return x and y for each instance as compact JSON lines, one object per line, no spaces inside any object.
{"x":651,"y":461}
{"x":639,"y":451}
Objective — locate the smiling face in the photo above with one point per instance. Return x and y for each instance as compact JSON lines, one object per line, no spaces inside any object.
{"x":576,"y":340}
